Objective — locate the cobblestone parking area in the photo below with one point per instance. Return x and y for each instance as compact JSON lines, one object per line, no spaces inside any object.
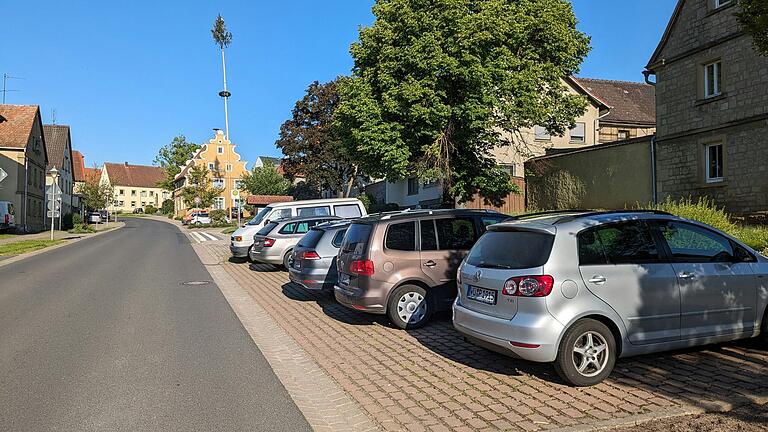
{"x":431,"y":379}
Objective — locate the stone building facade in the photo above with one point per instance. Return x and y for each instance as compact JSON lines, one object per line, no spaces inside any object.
{"x":712,"y":109}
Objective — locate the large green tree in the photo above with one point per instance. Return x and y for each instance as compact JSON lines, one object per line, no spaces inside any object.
{"x":264,"y":180}
{"x":94,"y":194}
{"x":199,"y":191}
{"x":437,"y":84}
{"x":172,"y":157}
{"x":313,"y":147}
{"x":754,"y":17}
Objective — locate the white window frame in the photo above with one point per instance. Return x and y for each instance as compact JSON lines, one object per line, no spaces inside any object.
{"x":583,"y":138}
{"x":211,"y":166}
{"x":218,"y":182}
{"x":229,"y":167}
{"x":540,"y":133}
{"x":717,"y":69}
{"x":721,"y":3}
{"x":219,"y":203}
{"x":220,"y":150}
{"x":707,"y":162}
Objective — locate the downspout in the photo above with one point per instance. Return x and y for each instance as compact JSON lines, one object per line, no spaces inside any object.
{"x":597,"y":125}
{"x":26,"y":182}
{"x":653,"y":171}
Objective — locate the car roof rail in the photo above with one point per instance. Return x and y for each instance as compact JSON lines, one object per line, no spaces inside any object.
{"x":548,"y":213}
{"x":610,"y":212}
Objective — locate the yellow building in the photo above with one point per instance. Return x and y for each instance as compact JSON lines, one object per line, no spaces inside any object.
{"x":135,"y":186}
{"x":225,"y":170}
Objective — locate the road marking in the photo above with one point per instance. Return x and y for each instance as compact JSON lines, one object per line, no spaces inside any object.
{"x":210,"y":236}
{"x":201,"y":237}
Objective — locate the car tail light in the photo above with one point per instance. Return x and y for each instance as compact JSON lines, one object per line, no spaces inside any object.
{"x":309,"y":255}
{"x":528,"y":286}
{"x":269,"y":242}
{"x":361,"y":267}
{"x":7,"y":218}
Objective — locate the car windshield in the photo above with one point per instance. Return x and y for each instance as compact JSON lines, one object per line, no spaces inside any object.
{"x":260,"y":216}
{"x":511,"y":250}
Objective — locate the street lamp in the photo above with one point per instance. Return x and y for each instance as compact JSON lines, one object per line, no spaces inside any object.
{"x":52,"y":208}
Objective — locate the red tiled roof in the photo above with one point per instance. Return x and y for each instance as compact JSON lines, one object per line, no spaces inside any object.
{"x":93,"y":174}
{"x":16,"y":123}
{"x":267,"y":199}
{"x":125,"y":174}
{"x":630,"y":102}
{"x":78,"y":166}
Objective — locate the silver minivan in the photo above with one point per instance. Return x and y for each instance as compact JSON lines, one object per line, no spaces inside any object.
{"x":582,"y":289}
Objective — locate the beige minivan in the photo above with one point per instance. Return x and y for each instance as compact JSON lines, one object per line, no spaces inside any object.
{"x":404,"y":264}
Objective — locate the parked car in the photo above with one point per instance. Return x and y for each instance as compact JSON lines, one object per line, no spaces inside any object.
{"x":7,"y":216}
{"x":313,"y":264}
{"x":94,"y":217}
{"x":274,"y":243}
{"x":404,"y":264}
{"x":200,"y":218}
{"x":186,"y":219}
{"x":242,"y":238}
{"x":138,"y":210}
{"x":104,"y":215}
{"x":583,"y":289}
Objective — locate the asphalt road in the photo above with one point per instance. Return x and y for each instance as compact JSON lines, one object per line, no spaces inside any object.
{"x":102,"y":336}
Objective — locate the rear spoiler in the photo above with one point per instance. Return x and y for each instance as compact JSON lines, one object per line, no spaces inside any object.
{"x":535,"y":228}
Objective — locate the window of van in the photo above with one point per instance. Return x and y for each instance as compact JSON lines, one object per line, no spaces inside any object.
{"x":260,"y":216}
{"x":280,"y":214}
{"x":347,"y":211}
{"x":314,"y":211}
{"x":401,"y":236}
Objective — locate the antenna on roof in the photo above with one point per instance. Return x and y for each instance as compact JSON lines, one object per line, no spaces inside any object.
{"x":5,"y":90}
{"x":53,"y":115}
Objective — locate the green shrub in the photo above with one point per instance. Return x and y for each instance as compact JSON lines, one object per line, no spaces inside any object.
{"x":81,"y":229}
{"x":703,"y":210}
{"x":167,"y":207}
{"x":150,"y":209}
{"x":77,"y":219}
{"x":755,"y":237}
{"x":218,"y":216}
{"x":366,"y":200}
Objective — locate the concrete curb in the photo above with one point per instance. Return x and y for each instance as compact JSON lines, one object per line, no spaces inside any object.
{"x":17,"y":258}
{"x":322,"y":402}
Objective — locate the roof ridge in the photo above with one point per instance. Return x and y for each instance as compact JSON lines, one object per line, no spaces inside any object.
{"x":614,"y":81}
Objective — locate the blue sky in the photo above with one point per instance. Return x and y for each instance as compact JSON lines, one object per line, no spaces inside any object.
{"x":129,"y":76}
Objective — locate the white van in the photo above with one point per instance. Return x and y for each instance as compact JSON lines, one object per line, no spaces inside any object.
{"x":242,"y":239}
{"x":7,"y":216}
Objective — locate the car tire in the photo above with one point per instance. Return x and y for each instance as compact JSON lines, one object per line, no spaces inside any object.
{"x":592,"y":345}
{"x":764,"y":328}
{"x":409,"y":307}
{"x":248,"y":255}
{"x":287,"y":259}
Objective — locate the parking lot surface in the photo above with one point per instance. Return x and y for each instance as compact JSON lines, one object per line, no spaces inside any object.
{"x":431,"y":379}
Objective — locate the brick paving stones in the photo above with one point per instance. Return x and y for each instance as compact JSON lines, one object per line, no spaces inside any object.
{"x":431,"y":379}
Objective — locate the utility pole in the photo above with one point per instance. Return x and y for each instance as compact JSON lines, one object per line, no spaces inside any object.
{"x":223,"y":38}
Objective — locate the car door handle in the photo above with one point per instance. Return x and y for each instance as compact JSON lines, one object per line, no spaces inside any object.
{"x":430,"y":263}
{"x":598,"y":280}
{"x":687,"y":275}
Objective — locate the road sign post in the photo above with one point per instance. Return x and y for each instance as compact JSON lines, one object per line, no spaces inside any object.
{"x":236,"y":199}
{"x":54,"y":204}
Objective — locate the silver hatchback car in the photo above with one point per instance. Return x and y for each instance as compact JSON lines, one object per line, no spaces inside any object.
{"x":274,"y":242}
{"x":582,"y":289}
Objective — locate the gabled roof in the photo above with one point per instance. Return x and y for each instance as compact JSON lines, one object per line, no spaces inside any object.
{"x":665,"y":37}
{"x":630,"y":102}
{"x":267,"y":199}
{"x":16,"y":122}
{"x":57,"y":141}
{"x":78,"y":166}
{"x":125,"y":174}
{"x":273,"y":160}
{"x":93,"y":174}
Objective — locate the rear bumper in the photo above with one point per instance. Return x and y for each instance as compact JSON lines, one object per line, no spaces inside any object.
{"x":263,"y":256}
{"x":541,"y":330}
{"x":239,"y":251}
{"x":357,"y":299}
{"x":313,"y":282}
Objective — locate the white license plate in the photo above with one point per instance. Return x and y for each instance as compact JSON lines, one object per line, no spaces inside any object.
{"x":481,"y":295}
{"x":343,"y":278}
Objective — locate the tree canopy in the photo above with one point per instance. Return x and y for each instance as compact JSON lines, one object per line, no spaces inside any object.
{"x":172,"y":157}
{"x":199,"y":186}
{"x":437,"y":85}
{"x":221,"y":36}
{"x":264,"y":180}
{"x":94,"y":194}
{"x":312,"y":145}
{"x":754,"y":17}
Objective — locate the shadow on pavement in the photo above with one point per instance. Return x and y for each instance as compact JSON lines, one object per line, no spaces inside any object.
{"x":331,"y":307}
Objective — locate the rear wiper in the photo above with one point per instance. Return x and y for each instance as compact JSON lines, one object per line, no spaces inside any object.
{"x":495,"y":266}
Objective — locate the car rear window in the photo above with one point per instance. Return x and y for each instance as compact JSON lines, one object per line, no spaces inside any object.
{"x":338,"y":238}
{"x":311,"y":238}
{"x":401,"y":236}
{"x":266,"y":229}
{"x":356,"y":239}
{"x":511,"y":249}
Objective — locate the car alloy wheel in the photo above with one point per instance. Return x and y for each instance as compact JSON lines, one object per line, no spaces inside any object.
{"x":288,"y":259}
{"x":590,"y":354}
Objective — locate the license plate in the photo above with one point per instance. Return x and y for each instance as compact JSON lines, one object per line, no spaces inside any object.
{"x":343,"y":278}
{"x":481,"y":295}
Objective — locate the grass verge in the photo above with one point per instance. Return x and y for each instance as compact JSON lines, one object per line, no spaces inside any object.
{"x":25,"y":246}
{"x":229,"y":230}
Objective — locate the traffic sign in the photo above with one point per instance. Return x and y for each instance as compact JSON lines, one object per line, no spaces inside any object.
{"x":3,"y":174}
{"x":53,"y":214}
{"x":54,"y":205}
{"x":235,"y":193}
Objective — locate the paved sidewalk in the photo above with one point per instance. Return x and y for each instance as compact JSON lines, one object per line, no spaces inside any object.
{"x":57,"y":235}
{"x":431,"y":379}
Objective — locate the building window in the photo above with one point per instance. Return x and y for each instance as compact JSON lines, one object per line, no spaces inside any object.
{"x":237,"y":183}
{"x":220,"y":150}
{"x":413,"y":186}
{"x":623,"y":135}
{"x":509,"y":169}
{"x":430,"y":183}
{"x":714,"y":162}
{"x":721,"y":3}
{"x":578,"y":132}
{"x":151,"y":193}
{"x":133,"y":203}
{"x":133,"y":193}
{"x":218,"y":182}
{"x":541,"y":134}
{"x":211,"y":166}
{"x":122,"y":191}
{"x":218,"y":203}
{"x":712,"y":79}
{"x":229,"y":167}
